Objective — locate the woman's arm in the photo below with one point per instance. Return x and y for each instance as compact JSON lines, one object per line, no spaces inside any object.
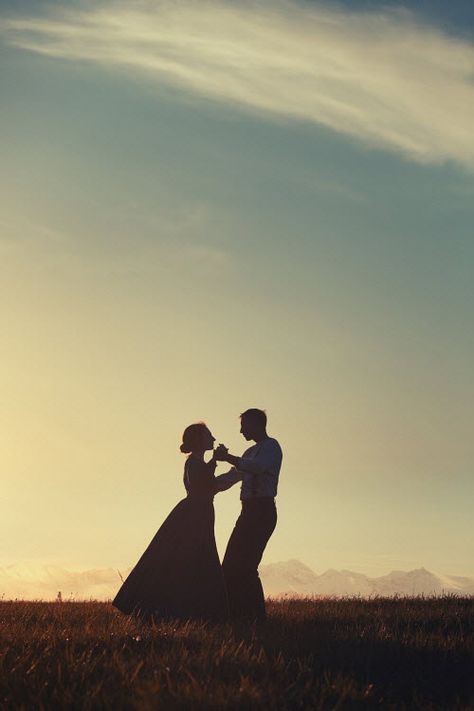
{"x":228,"y":479}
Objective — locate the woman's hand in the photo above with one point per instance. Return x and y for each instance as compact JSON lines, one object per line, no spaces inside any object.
{"x":220,"y":453}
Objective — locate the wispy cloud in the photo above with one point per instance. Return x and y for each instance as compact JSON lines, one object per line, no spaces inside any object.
{"x":173,"y":242}
{"x":382,"y":77}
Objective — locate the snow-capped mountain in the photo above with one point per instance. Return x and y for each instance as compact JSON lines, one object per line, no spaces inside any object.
{"x":295,"y":578}
{"x":292,"y":578}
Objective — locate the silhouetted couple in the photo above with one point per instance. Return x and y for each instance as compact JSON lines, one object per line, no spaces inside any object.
{"x":180,"y":575}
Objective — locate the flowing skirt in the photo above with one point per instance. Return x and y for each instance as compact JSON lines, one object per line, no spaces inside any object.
{"x":179,"y":575}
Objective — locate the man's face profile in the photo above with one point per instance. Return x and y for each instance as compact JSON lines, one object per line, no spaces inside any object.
{"x":246,"y":428}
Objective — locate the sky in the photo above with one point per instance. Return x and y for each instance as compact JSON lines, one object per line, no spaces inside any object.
{"x":215,"y":206}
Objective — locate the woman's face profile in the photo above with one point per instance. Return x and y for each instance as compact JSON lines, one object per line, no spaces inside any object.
{"x":208,"y":439}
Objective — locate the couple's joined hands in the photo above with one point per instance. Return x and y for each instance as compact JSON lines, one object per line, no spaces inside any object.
{"x":220,"y":453}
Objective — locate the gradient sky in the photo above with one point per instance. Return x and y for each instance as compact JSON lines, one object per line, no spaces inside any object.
{"x":208,"y":207}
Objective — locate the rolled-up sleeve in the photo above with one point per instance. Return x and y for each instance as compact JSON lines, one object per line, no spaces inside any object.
{"x":267,"y":460}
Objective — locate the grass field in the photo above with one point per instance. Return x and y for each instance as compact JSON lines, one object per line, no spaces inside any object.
{"x":312,"y":654}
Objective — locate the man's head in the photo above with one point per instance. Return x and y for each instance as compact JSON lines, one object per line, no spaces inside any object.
{"x":253,"y":424}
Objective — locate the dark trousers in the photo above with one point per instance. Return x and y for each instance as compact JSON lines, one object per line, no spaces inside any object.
{"x":244,"y":552}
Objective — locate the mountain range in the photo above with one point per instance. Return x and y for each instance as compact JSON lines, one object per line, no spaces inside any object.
{"x":295,"y":578}
{"x":290,"y":578}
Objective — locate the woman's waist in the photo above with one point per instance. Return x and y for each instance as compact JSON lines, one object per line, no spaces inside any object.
{"x":200,"y":498}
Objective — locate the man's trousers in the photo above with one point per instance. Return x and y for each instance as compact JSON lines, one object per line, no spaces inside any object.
{"x":244,"y":552}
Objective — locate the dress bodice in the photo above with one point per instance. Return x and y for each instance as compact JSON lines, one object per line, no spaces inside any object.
{"x":199,"y":479}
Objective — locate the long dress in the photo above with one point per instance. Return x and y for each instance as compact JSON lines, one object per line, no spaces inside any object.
{"x":179,"y":575}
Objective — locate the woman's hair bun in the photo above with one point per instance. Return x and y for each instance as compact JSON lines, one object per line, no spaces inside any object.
{"x":192,"y":437}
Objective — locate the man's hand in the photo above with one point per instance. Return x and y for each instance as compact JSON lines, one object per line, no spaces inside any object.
{"x":220,"y":453}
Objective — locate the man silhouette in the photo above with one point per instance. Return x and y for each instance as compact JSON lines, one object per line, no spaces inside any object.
{"x":258,"y":469}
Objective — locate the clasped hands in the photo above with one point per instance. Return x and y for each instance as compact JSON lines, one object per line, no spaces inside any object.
{"x":220,"y":453}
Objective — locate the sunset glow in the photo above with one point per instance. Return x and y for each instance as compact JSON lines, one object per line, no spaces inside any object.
{"x":238,"y":205}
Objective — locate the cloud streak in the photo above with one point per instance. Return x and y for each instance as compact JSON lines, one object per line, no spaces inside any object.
{"x":382,"y":77}
{"x":174,"y":244}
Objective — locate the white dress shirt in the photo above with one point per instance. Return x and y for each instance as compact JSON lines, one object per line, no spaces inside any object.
{"x":258,"y":469}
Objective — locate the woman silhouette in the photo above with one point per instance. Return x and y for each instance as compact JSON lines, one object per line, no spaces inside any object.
{"x":179,"y":575}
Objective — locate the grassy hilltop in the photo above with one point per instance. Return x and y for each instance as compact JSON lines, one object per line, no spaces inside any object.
{"x":312,"y":654}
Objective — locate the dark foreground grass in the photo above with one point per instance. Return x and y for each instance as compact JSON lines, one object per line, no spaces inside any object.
{"x":312,"y":654}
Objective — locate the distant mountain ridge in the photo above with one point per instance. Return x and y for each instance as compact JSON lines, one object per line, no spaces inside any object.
{"x":295,"y":578}
{"x":290,"y":578}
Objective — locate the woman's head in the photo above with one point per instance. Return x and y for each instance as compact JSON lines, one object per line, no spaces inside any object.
{"x":197,"y":437}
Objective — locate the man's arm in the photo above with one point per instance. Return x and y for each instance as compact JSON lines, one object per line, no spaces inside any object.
{"x":266,"y":459}
{"x":228,"y":479}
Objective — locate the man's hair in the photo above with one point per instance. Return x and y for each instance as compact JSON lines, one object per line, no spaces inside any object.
{"x":256,"y":416}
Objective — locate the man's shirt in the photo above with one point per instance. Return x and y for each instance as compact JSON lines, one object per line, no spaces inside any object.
{"x":258,"y":469}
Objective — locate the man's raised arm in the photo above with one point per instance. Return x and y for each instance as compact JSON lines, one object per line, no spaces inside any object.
{"x":266,"y":459}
